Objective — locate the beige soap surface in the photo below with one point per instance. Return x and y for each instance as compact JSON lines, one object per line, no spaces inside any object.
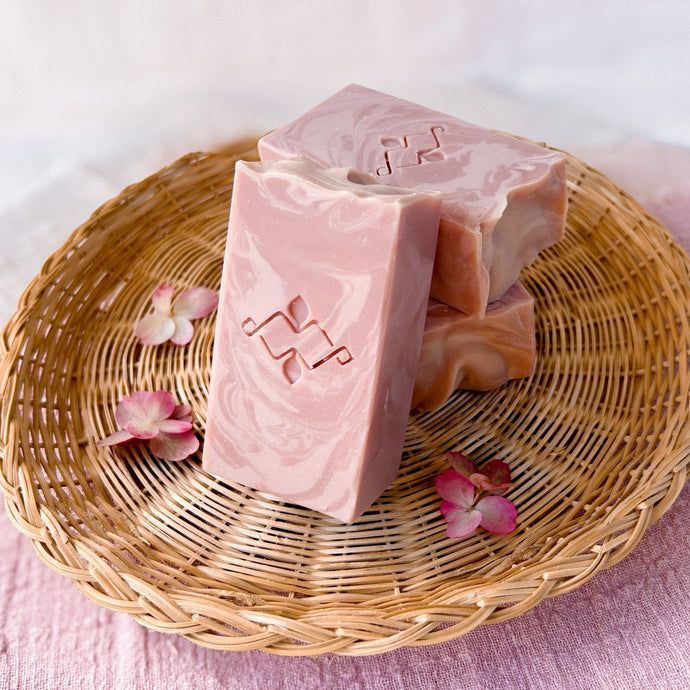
{"x":322,"y":306}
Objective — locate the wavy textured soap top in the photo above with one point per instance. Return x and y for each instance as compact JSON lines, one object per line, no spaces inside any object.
{"x":322,"y":181}
{"x":396,"y":140}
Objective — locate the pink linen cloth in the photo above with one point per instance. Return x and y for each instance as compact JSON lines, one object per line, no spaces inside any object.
{"x":628,"y":627}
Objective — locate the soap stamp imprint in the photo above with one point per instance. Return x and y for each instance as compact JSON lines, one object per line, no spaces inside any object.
{"x":410,"y":150}
{"x":295,"y":340}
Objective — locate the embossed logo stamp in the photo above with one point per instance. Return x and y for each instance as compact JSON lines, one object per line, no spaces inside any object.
{"x":411,"y":149}
{"x":295,"y":340}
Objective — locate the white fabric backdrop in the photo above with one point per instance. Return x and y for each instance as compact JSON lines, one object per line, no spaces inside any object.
{"x":82,"y":79}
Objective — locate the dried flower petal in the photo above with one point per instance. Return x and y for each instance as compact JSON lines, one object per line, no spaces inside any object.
{"x":142,"y":410}
{"x":498,"y":514}
{"x":195,"y":303}
{"x":174,"y":447}
{"x":172,"y":320}
{"x":162,"y":298}
{"x":155,"y":329}
{"x":461,"y":521}
{"x":460,"y":462}
{"x":455,"y":488}
{"x":154,"y":417}
{"x":493,"y":513}
{"x":183,"y":412}
{"x":173,"y":426}
{"x":481,"y":481}
{"x":497,"y":471}
{"x":183,"y":330}
{"x":493,"y":477}
{"x":121,"y":436}
{"x":456,"y":509}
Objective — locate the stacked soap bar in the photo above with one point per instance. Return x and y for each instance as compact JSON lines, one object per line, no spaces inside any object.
{"x":322,"y":307}
{"x":371,"y":265}
{"x":504,"y":199}
{"x":466,"y":351}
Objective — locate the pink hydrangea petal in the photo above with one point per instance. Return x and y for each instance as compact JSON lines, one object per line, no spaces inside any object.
{"x":183,"y":412}
{"x":162,"y":299}
{"x":143,"y":429}
{"x":455,"y":488}
{"x":183,"y":330}
{"x":174,"y":426}
{"x":195,"y":303}
{"x":155,"y":416}
{"x":158,"y":404}
{"x":131,"y":408}
{"x":144,"y":407}
{"x":461,"y":521}
{"x":497,"y":471}
{"x":120,"y":436}
{"x":481,"y":481}
{"x":174,"y":447}
{"x":155,"y":329}
{"x":460,"y":462}
{"x":498,"y":514}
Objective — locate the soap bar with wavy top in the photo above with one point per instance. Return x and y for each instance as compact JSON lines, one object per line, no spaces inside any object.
{"x":322,"y":305}
{"x":466,"y":351}
{"x":504,"y":199}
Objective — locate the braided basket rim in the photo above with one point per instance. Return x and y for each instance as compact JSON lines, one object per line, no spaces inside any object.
{"x":597,"y":438}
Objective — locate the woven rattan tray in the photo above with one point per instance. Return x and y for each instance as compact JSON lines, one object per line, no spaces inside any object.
{"x":597,"y":439}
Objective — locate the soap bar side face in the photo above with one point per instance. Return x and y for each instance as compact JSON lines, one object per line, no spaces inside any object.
{"x":533,"y":220}
{"x":467,"y":352}
{"x":478,"y":172}
{"x":310,"y":393}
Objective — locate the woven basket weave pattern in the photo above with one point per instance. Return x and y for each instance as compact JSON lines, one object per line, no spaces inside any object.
{"x":597,"y":439}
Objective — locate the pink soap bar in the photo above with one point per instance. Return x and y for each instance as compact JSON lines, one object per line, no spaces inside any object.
{"x":322,"y":306}
{"x":466,"y":351}
{"x":504,"y":200}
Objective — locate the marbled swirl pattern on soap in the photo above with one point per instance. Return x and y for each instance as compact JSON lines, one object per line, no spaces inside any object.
{"x":323,"y":300}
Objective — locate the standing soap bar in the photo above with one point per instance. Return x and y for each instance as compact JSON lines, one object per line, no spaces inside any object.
{"x":504,"y":199}
{"x":322,"y":306}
